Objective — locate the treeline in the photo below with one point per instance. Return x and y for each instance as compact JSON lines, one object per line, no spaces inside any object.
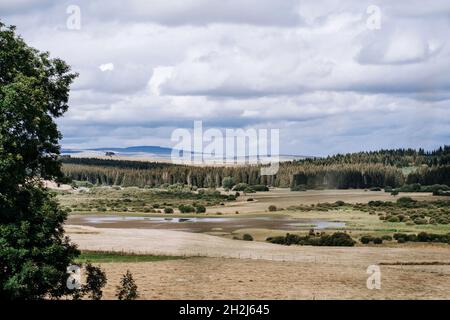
{"x":350,"y":176}
{"x":129,"y":164}
{"x":289,"y":175}
{"x":353,"y":171}
{"x":396,"y":157}
{"x":430,"y":176}
{"x":203,"y":177}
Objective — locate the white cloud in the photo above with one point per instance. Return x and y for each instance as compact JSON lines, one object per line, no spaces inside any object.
{"x":106,"y":67}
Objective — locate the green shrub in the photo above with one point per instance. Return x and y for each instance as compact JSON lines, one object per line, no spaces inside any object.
{"x":366,"y":239}
{"x":406,"y":202}
{"x":272,"y":208}
{"x":186,"y":208}
{"x":260,"y":188}
{"x":377,"y":240}
{"x":249,"y":190}
{"x":128,"y":288}
{"x":336,"y":239}
{"x":228,"y":183}
{"x":422,"y":237}
{"x":168,"y":210}
{"x":200,"y":209}
{"x":95,"y":281}
{"x":393,"y":219}
{"x":340,"y":239}
{"x":240,"y":187}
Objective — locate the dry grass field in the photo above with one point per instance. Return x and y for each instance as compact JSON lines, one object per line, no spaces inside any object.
{"x":218,"y":278}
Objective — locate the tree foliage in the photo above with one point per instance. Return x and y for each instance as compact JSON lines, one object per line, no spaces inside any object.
{"x":128,"y":289}
{"x":34,"y":90}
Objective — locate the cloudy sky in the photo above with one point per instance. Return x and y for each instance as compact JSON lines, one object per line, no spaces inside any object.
{"x":329,"y":74}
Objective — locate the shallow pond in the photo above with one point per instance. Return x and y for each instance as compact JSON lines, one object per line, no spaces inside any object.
{"x":204,"y":224}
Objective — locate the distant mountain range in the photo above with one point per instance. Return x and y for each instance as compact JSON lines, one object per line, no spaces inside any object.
{"x":143,"y":151}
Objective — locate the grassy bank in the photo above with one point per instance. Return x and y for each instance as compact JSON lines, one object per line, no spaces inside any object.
{"x":109,"y":256}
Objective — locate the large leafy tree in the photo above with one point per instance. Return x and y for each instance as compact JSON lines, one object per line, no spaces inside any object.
{"x":34,"y":90}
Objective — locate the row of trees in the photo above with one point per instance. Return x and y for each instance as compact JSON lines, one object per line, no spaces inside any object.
{"x":289,"y":175}
{"x":396,"y":157}
{"x":431,"y":176}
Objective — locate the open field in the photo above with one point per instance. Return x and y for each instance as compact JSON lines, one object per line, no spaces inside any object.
{"x":216,"y":266}
{"x":257,"y":270}
{"x":218,"y":278}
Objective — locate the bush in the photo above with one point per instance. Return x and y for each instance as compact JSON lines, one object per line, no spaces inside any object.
{"x":95,"y":281}
{"x":168,"y":210}
{"x":240,"y":187}
{"x":228,"y":183}
{"x":249,"y":190}
{"x":422,"y":237}
{"x":336,"y":239}
{"x":272,"y":208}
{"x":406,"y":202}
{"x":186,"y":208}
{"x":260,"y":188}
{"x":377,"y":240}
{"x":200,"y":208}
{"x":250,"y":199}
{"x":386,"y":238}
{"x":366,"y":239}
{"x":393,"y":219}
{"x":339,"y":239}
{"x":247,"y":237}
{"x":128,"y":288}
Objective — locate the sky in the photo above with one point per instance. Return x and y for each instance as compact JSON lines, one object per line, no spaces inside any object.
{"x":332,"y":76}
